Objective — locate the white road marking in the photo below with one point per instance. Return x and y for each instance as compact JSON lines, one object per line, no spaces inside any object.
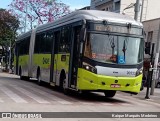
{"x":136,"y":101}
{"x":12,"y":95}
{"x":109,"y":104}
{"x":31,"y":95}
{"x":1,"y":101}
{"x":51,"y":96}
{"x":87,"y":103}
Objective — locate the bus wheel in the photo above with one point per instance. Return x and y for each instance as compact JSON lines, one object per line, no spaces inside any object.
{"x":65,"y":90}
{"x":39,"y":78}
{"x":20,"y":74}
{"x":109,"y":93}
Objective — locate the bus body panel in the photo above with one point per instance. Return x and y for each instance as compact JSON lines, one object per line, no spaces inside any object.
{"x":85,"y":80}
{"x":91,"y":81}
{"x":14,"y":63}
{"x":31,"y":50}
{"x":23,"y":63}
{"x":43,"y":62}
{"x":61,"y":62}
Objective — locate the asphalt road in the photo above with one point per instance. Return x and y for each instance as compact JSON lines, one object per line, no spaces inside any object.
{"x":26,"y":96}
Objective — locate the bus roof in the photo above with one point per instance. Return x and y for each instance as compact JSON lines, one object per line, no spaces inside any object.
{"x":95,"y":15}
{"x":24,"y":35}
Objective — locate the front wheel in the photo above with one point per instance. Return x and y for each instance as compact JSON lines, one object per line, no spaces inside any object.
{"x":109,"y":93}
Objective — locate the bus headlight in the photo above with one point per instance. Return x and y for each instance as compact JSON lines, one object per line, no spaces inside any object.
{"x":138,"y":72}
{"x":89,"y":68}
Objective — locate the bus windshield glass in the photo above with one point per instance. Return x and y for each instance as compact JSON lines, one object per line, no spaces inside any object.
{"x":114,"y":49}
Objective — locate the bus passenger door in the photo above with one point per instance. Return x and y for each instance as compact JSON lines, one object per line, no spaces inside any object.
{"x":53,"y":68}
{"x":74,"y":60}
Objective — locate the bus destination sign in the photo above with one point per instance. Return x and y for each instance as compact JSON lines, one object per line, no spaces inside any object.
{"x":117,"y":29}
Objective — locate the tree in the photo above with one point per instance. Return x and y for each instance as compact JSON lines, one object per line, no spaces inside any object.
{"x":38,"y":12}
{"x":8,"y":27}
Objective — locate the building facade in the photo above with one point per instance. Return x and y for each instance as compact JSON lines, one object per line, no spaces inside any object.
{"x":151,"y":28}
{"x":149,"y":11}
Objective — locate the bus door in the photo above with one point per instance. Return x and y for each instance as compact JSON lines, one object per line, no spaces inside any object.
{"x":74,"y":61}
{"x":53,"y":67}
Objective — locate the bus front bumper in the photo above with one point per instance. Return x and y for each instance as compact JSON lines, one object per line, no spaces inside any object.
{"x":90,"y":81}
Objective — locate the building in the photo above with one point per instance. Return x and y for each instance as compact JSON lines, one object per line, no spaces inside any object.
{"x":151,"y":28}
{"x":127,"y":7}
{"x":85,"y":8}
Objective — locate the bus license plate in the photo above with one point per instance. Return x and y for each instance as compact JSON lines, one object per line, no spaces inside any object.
{"x":115,"y":85}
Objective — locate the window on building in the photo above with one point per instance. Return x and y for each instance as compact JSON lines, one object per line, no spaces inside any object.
{"x":149,"y":37}
{"x":110,"y":8}
{"x":107,"y":9}
{"x":117,"y":5}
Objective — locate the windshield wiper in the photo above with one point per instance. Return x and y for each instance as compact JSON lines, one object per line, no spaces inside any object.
{"x":112,"y":44}
{"x":124,"y":48}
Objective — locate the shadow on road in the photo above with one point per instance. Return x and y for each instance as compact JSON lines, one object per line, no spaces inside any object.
{"x":86,"y":97}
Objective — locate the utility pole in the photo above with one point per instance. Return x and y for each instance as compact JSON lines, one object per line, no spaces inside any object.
{"x":142,"y":11}
{"x":155,"y":62}
{"x":137,"y":9}
{"x":10,"y":56}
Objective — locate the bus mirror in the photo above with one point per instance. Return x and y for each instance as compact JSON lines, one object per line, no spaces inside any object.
{"x":83,"y":34}
{"x":81,"y":47}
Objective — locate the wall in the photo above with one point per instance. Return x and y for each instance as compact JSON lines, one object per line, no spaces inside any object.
{"x":152,"y":25}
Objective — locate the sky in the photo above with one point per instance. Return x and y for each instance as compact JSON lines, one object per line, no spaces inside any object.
{"x":74,"y":4}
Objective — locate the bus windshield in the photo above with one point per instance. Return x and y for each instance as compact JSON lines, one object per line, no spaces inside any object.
{"x":114,"y":49}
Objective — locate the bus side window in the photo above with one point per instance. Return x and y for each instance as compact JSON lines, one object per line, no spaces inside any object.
{"x":64,"y":44}
{"x":37,"y":44}
{"x":42,"y":42}
{"x":56,"y":40}
{"x":27,"y":45}
{"x":49,"y":39}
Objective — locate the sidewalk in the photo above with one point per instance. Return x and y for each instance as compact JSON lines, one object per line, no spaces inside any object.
{"x":153,"y":98}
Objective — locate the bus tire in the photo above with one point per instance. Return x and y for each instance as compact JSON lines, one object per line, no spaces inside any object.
{"x":39,"y":82}
{"x":63,"y":82}
{"x":20,"y":74}
{"x":109,"y":93}
{"x":65,"y":90}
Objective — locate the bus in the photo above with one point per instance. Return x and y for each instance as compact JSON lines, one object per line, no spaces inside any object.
{"x":86,"y":50}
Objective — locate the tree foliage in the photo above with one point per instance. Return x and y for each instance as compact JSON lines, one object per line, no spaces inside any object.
{"x":38,"y":12}
{"x":8,"y":26}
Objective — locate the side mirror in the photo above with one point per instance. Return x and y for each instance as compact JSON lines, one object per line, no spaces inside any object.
{"x":83,"y":34}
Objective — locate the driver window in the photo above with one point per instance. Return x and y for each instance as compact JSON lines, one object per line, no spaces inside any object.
{"x":88,"y":50}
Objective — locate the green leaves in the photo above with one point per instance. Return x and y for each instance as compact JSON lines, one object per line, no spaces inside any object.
{"x":8,"y":27}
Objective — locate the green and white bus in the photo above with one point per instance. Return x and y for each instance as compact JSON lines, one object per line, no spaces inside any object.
{"x":86,"y":50}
